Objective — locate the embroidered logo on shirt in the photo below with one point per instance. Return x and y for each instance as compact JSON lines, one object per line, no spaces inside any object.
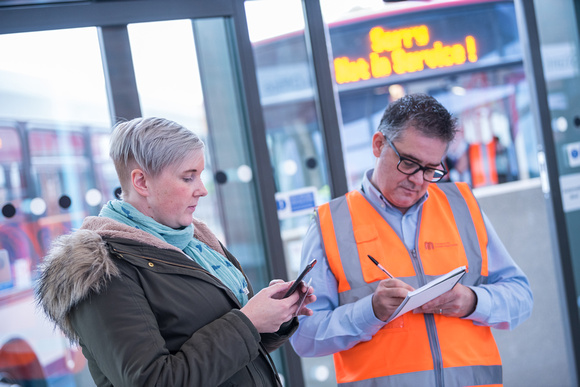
{"x":433,"y":246}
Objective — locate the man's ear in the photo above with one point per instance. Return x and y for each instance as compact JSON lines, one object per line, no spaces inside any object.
{"x":378,"y":143}
{"x":139,"y":182}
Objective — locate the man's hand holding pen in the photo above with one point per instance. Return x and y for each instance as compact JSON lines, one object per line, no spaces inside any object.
{"x":458,"y":302}
{"x":388,"y":296}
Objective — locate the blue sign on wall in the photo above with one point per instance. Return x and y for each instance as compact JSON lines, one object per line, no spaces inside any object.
{"x":295,"y":203}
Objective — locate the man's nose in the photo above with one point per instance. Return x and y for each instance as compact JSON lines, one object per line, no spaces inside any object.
{"x":417,"y":177}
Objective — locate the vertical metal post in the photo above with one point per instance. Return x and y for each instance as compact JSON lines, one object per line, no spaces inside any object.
{"x":119,"y":73}
{"x":319,"y":46}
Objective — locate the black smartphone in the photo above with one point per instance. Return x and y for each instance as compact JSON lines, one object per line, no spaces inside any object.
{"x":300,"y":277}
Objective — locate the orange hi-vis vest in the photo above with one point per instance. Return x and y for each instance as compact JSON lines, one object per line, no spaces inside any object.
{"x":415,"y":349}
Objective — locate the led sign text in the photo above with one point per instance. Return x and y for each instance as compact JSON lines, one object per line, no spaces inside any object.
{"x":390,"y":55}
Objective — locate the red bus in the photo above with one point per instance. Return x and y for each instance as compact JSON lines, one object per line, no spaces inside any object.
{"x":51,"y":177}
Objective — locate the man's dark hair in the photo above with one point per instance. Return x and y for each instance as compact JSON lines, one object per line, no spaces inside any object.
{"x":422,"y":112}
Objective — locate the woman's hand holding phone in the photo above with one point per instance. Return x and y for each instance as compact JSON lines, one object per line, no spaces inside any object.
{"x":305,"y":289}
{"x":298,"y":280}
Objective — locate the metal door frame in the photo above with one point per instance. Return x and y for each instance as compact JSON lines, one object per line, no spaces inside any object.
{"x":530,"y":39}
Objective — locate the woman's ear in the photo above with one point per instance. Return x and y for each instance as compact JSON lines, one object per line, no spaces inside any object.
{"x":139,"y":182}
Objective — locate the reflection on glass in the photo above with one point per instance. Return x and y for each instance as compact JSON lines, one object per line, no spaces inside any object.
{"x":559,"y":42}
{"x":496,"y":142}
{"x":167,"y":72}
{"x":172,"y":60}
{"x":382,"y":51}
{"x":284,"y":17}
{"x":288,"y":97}
{"x":475,"y":71}
{"x":293,"y":132}
{"x":53,"y":105}
{"x":169,"y":86}
{"x":53,"y":75}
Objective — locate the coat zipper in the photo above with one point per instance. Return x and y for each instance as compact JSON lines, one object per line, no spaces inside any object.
{"x":256,"y":371}
{"x":429,"y":318}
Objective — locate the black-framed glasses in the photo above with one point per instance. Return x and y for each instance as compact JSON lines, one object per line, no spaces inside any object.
{"x":410,"y":167}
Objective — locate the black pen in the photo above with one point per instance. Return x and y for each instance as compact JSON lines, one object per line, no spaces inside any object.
{"x":380,"y":266}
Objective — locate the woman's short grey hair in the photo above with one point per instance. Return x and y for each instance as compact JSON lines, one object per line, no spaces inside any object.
{"x":153,"y":143}
{"x":422,"y":112}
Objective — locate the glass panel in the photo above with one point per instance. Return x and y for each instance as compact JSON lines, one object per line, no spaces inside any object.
{"x":287,"y":94}
{"x":54,"y":76}
{"x":496,"y":142}
{"x":453,"y":55}
{"x":233,"y":170}
{"x":200,"y":55}
{"x":170,"y":85}
{"x":293,"y":132}
{"x":52,"y":102}
{"x":559,"y":41}
{"x":476,"y":71}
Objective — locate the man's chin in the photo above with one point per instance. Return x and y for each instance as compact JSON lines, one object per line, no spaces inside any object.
{"x":406,"y":201}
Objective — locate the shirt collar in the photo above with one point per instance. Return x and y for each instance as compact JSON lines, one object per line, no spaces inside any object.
{"x":377,"y":198}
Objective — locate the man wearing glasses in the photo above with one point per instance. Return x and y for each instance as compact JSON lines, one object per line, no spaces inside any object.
{"x":417,"y":231}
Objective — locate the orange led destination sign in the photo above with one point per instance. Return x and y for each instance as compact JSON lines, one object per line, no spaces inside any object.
{"x":390,"y":54}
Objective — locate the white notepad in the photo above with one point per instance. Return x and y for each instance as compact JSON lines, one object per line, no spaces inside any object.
{"x":429,"y":291}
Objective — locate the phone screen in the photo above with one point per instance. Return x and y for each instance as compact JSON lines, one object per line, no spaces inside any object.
{"x":299,"y":279}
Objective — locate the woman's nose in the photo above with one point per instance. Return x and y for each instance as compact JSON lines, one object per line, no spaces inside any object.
{"x":201,"y":190}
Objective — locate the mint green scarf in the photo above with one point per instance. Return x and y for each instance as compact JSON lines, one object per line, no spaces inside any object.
{"x":183,"y":239}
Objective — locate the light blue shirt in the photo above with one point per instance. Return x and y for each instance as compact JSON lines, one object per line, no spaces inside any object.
{"x":503,"y":303}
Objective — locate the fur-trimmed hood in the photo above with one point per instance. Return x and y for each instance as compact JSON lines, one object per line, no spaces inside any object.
{"x":79,"y":264}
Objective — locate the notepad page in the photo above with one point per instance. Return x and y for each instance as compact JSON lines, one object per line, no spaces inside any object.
{"x":429,"y":291}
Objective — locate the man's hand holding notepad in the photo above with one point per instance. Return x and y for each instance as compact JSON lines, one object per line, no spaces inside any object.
{"x":428,"y":292}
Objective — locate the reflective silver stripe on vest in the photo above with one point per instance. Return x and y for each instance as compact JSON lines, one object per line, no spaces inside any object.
{"x":347,"y":249}
{"x":467,"y":232}
{"x":454,"y":377}
{"x":347,"y":246}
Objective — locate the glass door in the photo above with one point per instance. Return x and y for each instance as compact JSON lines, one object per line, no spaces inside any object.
{"x":184,"y":72}
{"x":53,"y":101}
{"x":552,"y":54}
{"x":185,"y":63}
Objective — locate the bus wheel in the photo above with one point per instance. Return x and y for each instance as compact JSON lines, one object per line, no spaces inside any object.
{"x":19,"y":365}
